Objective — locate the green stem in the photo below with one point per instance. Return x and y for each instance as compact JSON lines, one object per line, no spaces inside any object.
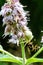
{"x":23,"y":52}
{"x":33,"y":59}
{"x":37,"y":53}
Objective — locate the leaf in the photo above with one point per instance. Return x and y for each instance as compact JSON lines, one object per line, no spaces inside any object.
{"x":33,"y":60}
{"x":7,"y":57}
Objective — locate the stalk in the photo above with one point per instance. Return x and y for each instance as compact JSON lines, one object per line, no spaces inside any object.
{"x":23,"y":52}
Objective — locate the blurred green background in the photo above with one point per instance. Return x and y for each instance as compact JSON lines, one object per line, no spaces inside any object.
{"x":35,"y":24}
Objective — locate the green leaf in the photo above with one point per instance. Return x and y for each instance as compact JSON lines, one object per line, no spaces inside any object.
{"x":7,"y":57}
{"x":33,"y":60}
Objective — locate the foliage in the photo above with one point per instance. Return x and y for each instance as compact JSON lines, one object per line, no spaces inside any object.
{"x":7,"y":57}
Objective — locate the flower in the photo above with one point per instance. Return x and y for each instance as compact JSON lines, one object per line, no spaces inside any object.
{"x":6,"y":11}
{"x":15,"y":19}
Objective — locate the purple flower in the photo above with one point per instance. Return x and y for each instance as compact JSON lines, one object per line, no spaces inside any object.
{"x":15,"y":19}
